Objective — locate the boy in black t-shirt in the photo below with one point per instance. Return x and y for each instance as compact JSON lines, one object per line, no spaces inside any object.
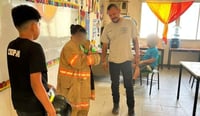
{"x":27,"y":66}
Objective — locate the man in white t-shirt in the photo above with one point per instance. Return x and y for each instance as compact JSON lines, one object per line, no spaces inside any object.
{"x":119,"y":34}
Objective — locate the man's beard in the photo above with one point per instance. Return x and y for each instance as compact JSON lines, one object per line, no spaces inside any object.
{"x":116,"y":20}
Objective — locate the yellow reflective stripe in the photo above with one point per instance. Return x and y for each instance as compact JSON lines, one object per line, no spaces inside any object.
{"x":73,"y":59}
{"x":80,"y":105}
{"x":74,"y":74}
{"x":90,"y":60}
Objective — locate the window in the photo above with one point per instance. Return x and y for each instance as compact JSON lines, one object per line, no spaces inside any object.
{"x":198,"y":32}
{"x":189,"y":23}
{"x":150,"y":24}
{"x":148,"y":21}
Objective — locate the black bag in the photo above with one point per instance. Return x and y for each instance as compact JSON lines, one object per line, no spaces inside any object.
{"x":61,"y":106}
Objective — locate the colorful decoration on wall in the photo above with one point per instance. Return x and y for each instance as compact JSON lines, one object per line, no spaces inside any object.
{"x":62,"y":3}
{"x":96,"y":28}
{"x":47,"y":8}
{"x":96,"y":8}
{"x":101,"y":11}
{"x":169,"y":11}
{"x":4,"y":85}
{"x":89,"y":5}
{"x":88,"y":25}
{"x":53,"y":62}
{"x":47,"y":11}
{"x":82,"y":18}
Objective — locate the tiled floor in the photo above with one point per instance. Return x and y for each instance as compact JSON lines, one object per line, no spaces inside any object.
{"x":161,"y":102}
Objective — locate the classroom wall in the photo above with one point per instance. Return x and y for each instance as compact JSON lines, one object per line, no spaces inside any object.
{"x":55,"y":32}
{"x":5,"y":34}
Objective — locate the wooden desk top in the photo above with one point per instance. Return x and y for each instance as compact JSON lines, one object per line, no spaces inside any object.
{"x":192,"y":67}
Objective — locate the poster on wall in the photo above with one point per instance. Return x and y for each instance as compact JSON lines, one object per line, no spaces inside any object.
{"x":88,"y":25}
{"x":96,"y":29}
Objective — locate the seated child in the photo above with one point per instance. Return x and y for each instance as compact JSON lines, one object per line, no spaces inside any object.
{"x":150,"y":57}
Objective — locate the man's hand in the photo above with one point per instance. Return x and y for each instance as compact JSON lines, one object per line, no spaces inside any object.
{"x":105,"y":65}
{"x":136,"y":72}
{"x":137,"y":60}
{"x":137,"y":51}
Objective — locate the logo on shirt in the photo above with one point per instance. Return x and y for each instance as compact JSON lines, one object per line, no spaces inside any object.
{"x":13,"y":52}
{"x":124,"y":29}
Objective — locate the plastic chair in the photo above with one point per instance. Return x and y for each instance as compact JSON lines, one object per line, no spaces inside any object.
{"x":191,"y":79}
{"x":153,"y":72}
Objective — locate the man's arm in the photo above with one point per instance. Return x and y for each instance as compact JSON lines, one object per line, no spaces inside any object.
{"x":104,"y":52}
{"x":103,"y":55}
{"x":41,"y":94}
{"x":137,"y":50}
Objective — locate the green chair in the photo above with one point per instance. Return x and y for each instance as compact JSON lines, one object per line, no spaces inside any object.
{"x":153,"y":72}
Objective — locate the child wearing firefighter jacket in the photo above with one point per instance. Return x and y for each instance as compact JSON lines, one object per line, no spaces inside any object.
{"x":74,"y":74}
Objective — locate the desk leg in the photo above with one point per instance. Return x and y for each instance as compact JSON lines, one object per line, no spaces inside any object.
{"x":196,"y":98}
{"x":179,"y":81}
{"x":169,"y":59}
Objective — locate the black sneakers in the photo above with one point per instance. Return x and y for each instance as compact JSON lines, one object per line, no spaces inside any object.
{"x":131,"y":112}
{"x":115,"y":109}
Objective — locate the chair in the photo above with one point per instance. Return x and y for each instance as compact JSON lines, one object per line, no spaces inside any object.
{"x":191,"y":79}
{"x":154,"y":71}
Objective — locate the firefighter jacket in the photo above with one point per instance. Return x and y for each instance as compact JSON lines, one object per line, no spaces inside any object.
{"x":74,"y":74}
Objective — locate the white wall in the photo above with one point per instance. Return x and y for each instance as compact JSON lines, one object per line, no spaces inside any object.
{"x":7,"y":33}
{"x":6,"y":108}
{"x":178,"y":56}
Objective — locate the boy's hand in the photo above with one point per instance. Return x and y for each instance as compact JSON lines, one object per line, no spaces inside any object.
{"x":51,"y":86}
